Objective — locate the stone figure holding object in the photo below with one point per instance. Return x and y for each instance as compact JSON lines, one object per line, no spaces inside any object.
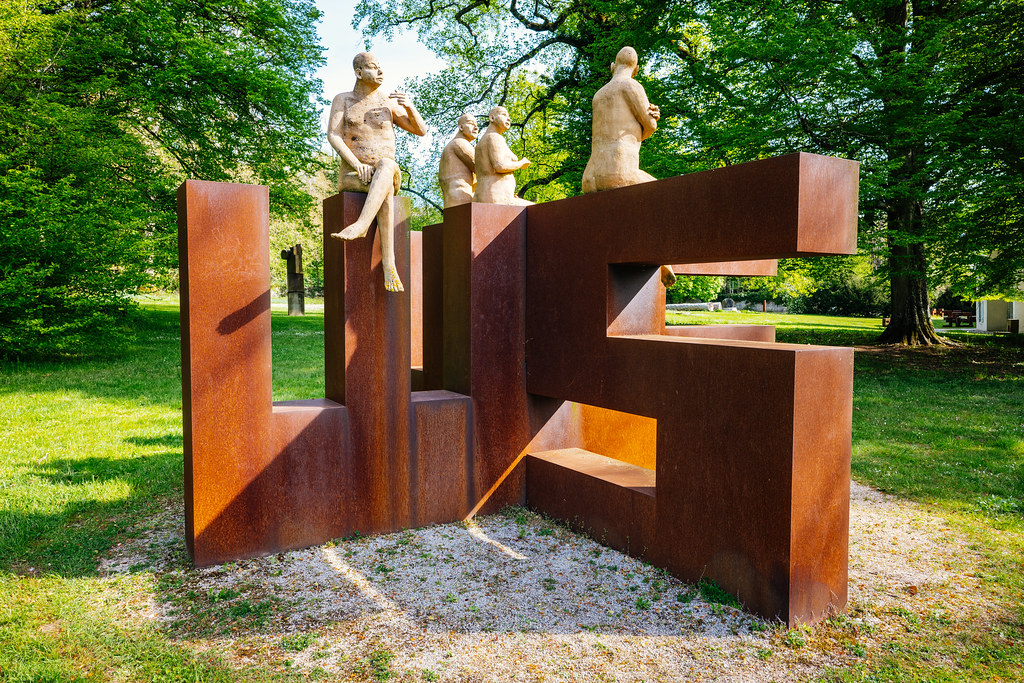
{"x":495,"y":164}
{"x":623,"y":118}
{"x":361,"y":130}
{"x":457,"y":172}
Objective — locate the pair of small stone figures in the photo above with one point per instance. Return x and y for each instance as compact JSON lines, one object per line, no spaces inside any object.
{"x":361,"y":129}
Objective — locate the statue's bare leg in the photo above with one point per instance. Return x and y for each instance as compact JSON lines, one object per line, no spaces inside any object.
{"x":385,"y":217}
{"x":381,"y":189}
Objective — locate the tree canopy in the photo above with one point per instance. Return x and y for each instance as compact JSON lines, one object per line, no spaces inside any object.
{"x":926,"y":94}
{"x":105,"y":107}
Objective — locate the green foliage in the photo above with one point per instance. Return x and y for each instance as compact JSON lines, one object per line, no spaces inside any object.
{"x":713,"y":593}
{"x":856,"y":296}
{"x":93,"y":448}
{"x":926,"y":95}
{"x":694,"y":288}
{"x":103,"y":113}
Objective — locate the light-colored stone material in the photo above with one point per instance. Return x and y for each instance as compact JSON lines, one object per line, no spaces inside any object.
{"x":623,"y":118}
{"x":495,"y":164}
{"x":361,"y":130}
{"x":457,"y":172}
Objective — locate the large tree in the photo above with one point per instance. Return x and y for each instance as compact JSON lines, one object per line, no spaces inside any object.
{"x":925,"y":94}
{"x":105,"y":107}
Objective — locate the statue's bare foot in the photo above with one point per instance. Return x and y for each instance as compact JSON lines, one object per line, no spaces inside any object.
{"x":352,"y":232}
{"x":392,"y":283}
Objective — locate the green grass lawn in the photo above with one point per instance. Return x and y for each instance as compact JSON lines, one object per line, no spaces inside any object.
{"x":90,"y":449}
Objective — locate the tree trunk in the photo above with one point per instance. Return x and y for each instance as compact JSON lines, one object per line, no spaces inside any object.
{"x":910,"y":321}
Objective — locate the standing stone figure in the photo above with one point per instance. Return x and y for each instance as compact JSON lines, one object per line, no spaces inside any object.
{"x":495,"y":164}
{"x":623,"y":118}
{"x":457,"y":173}
{"x":361,"y":129}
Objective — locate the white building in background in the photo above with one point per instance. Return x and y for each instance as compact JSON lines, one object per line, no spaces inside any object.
{"x":996,"y":315}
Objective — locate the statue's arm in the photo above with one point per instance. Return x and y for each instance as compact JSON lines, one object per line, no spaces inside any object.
{"x":464,"y":151}
{"x":405,"y":114}
{"x":335,"y":125}
{"x":502,"y":158}
{"x":641,"y":108}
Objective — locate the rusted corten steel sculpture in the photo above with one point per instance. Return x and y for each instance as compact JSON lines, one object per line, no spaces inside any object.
{"x":548,"y":378}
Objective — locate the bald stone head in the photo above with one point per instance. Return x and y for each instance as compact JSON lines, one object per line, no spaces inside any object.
{"x":367,"y":68}
{"x":363,"y":59}
{"x":626,"y":59}
{"x":467,"y":126}
{"x":500,"y":119}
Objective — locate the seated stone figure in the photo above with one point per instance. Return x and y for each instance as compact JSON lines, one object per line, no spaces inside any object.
{"x":623,"y":118}
{"x":361,"y":130}
{"x":495,"y":164}
{"x":457,"y":172}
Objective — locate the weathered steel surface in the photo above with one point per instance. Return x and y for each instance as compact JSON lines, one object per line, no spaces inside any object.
{"x":306,"y":491}
{"x":225,"y":355}
{"x":483,"y":292}
{"x":614,"y":434}
{"x":258,"y":478}
{"x":730,"y":501}
{"x":376,"y":348}
{"x":563,"y":388}
{"x":442,"y":456}
{"x":611,"y":500}
{"x":433,"y":306}
{"x":768,"y":268}
{"x":415,"y":288}
{"x":761,"y":333}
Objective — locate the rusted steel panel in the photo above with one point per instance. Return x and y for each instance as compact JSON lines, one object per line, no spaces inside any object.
{"x":225,"y":353}
{"x":614,"y":434}
{"x":766,"y":268}
{"x":433,"y":306}
{"x":610,"y":500}
{"x":635,"y":299}
{"x":761,"y":333}
{"x":484,"y":292}
{"x":823,"y":421}
{"x":415,"y":289}
{"x":789,"y":206}
{"x":725,"y":505}
{"x":307,"y":489}
{"x":442,"y":440}
{"x":373,"y":339}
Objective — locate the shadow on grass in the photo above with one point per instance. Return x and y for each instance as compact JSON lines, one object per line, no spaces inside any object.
{"x":69,"y":542}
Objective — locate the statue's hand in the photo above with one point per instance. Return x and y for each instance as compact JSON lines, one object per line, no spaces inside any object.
{"x":654,"y":111}
{"x":365,"y":172}
{"x":403,"y":99}
{"x":524,"y":162}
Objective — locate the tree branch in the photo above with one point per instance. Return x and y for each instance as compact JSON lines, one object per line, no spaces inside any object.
{"x":428,"y":200}
{"x":546,"y":24}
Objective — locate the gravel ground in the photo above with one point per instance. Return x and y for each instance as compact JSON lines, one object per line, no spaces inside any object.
{"x":514,"y":597}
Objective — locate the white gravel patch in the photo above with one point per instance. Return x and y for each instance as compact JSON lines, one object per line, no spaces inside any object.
{"x":515,"y":597}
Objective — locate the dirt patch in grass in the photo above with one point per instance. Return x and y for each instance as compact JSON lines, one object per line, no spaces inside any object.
{"x":515,"y":597}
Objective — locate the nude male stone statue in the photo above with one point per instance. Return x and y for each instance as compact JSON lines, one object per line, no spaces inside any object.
{"x":361,"y":129}
{"x":623,"y":118}
{"x":457,"y":172}
{"x":495,"y":164}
